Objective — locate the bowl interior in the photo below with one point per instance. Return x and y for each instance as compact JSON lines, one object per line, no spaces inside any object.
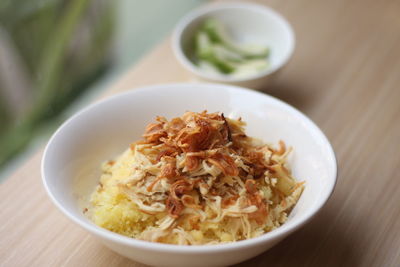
{"x":71,"y":164}
{"x":245,"y":23}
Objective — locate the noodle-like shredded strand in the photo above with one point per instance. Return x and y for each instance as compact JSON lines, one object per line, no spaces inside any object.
{"x":196,"y":179}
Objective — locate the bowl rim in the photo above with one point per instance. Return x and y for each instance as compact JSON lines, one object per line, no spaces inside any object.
{"x":105,"y":234}
{"x":201,"y":11}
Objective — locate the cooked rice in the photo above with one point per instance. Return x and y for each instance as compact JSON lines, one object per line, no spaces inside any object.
{"x":197,"y":179}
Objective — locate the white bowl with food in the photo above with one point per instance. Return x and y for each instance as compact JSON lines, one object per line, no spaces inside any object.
{"x":195,"y":190}
{"x":243,"y":44}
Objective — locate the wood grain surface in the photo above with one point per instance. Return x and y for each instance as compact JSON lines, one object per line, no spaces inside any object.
{"x":345,"y":75}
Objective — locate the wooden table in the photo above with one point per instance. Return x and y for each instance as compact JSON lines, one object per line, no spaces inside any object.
{"x":345,"y":74}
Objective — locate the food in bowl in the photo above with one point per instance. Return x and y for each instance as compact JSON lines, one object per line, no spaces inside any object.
{"x":195,"y":179}
{"x":216,"y":52}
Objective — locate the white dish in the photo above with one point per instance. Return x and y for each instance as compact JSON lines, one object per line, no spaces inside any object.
{"x":246,"y":23}
{"x":72,"y":158}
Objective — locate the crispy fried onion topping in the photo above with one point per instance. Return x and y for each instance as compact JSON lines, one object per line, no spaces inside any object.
{"x":203,"y":168}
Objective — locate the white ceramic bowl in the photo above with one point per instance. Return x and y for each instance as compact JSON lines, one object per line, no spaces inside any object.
{"x":247,"y":23}
{"x":71,"y":161}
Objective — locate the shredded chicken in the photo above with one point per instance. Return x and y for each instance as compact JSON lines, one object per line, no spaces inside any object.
{"x":197,"y":179}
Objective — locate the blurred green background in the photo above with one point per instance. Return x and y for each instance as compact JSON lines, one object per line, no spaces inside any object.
{"x":58,"y":55}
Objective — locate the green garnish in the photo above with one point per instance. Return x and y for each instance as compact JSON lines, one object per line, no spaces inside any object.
{"x":214,"y":47}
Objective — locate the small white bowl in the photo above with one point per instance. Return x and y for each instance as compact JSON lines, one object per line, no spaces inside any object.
{"x":247,"y":23}
{"x":72,"y":159}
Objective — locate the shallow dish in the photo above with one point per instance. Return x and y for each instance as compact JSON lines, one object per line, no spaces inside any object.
{"x":72,"y":158}
{"x":246,"y":23}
